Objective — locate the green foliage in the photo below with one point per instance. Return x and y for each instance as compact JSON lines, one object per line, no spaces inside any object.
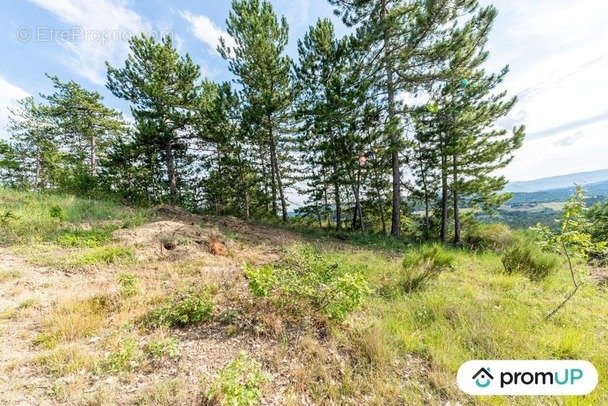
{"x":423,"y":265}
{"x":261,"y":280}
{"x":239,"y":383}
{"x":494,"y":237}
{"x":83,"y":238}
{"x":190,"y":307}
{"x":125,"y":359}
{"x":575,"y":232}
{"x":6,"y":218}
{"x":58,"y":213}
{"x":129,"y":284}
{"x":163,"y":348}
{"x":104,"y":255}
{"x":527,"y":259}
{"x":308,"y":280}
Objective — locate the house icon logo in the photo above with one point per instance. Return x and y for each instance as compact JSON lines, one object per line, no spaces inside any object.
{"x":483,"y":378}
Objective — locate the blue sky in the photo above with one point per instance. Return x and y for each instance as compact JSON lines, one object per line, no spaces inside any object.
{"x":556,"y":49}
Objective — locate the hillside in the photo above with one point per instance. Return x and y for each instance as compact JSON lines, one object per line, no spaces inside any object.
{"x":559,"y":182}
{"x":107,"y":305}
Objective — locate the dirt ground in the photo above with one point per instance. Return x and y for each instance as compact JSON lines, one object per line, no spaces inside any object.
{"x":171,"y":253}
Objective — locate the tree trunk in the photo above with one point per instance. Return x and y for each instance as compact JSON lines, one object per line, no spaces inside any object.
{"x":390,"y":89}
{"x":171,"y":172}
{"x":358,"y":208}
{"x":455,"y":196}
{"x":264,"y":179}
{"x":38,"y":168}
{"x":93,"y":152}
{"x":279,"y":183}
{"x":444,"y":198}
{"x":380,"y":203}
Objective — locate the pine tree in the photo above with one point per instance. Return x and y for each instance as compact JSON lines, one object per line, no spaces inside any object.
{"x":264,"y":73}
{"x":406,"y":42}
{"x":459,"y":126}
{"x":163,"y":88}
{"x":85,"y":126}
{"x":34,"y":150}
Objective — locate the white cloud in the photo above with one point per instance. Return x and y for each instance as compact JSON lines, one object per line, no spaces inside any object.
{"x":97,"y":32}
{"x":206,"y":31}
{"x":558,"y":65}
{"x":9,"y":94}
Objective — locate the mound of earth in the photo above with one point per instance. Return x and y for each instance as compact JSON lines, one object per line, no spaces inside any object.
{"x":174,"y":239}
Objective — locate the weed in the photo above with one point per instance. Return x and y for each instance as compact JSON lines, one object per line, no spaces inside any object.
{"x":530,"y":261}
{"x":71,"y":320}
{"x":495,"y":237}
{"x":7,"y":275}
{"x":58,"y":213}
{"x":6,"y":218}
{"x":422,"y":266}
{"x":106,"y":255}
{"x":63,"y":361}
{"x":187,"y":308}
{"x":129,"y":284}
{"x":307,"y":281}
{"x":162,"y":348}
{"x":239,"y":383}
{"x":83,"y":238}
{"x":125,"y":359}
{"x":27,"y":303}
{"x":165,"y":392}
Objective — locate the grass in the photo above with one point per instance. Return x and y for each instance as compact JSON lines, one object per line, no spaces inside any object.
{"x":90,"y":257}
{"x":401,"y":344}
{"x":6,"y":275}
{"x":72,"y":320}
{"x":36,"y":219}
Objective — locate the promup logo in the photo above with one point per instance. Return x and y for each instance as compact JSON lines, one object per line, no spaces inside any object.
{"x":527,"y":377}
{"x":483,"y":375}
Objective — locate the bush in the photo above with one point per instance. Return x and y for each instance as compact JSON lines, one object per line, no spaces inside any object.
{"x":495,"y":237}
{"x":185,"y":309}
{"x":529,"y":260}
{"x":420,"y":267}
{"x":58,"y":213}
{"x":309,"y":281}
{"x":239,"y":383}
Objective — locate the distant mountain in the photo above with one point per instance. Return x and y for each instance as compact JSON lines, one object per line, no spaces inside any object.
{"x":595,"y":192}
{"x":558,"y":182}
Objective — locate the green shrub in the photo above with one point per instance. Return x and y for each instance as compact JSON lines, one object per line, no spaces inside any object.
{"x":239,"y":383}
{"x":527,"y":259}
{"x":495,"y":237}
{"x":261,"y":280}
{"x":420,"y":267}
{"x":184,"y":309}
{"x":307,"y":281}
{"x":58,"y":213}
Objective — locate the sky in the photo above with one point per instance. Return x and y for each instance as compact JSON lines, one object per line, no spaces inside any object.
{"x":556,"y":51}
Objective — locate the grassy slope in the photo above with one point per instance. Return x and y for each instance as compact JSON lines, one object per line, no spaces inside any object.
{"x":395,"y":347}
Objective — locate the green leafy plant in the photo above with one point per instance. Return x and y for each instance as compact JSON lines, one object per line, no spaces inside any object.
{"x":163,"y":348}
{"x":58,"y":213}
{"x":125,"y":359}
{"x":187,"y":308}
{"x":239,"y":383}
{"x":6,"y":218}
{"x":575,"y":232}
{"x":129,"y":284}
{"x":308,"y":281}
